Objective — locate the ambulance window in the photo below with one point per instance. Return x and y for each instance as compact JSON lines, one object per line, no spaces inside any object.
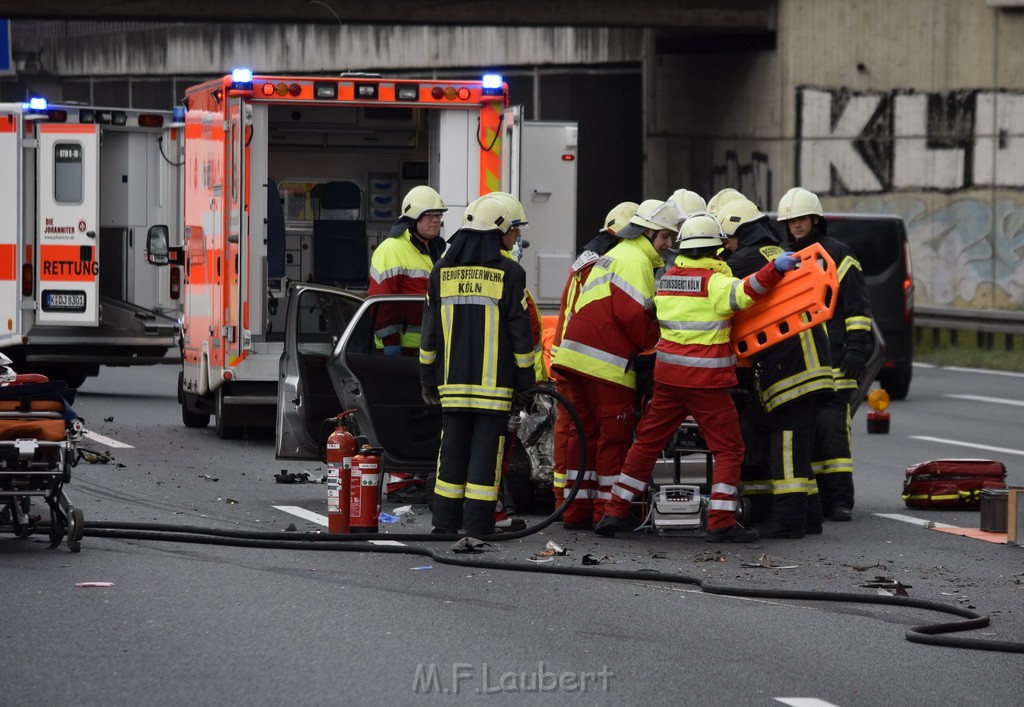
{"x":67,"y":172}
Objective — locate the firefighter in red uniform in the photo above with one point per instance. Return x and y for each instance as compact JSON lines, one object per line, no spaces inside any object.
{"x":476,"y":357}
{"x":849,"y":335}
{"x":791,"y":380}
{"x":613,"y":323}
{"x":401,"y":265}
{"x":694,"y":369}
{"x":579,"y":271}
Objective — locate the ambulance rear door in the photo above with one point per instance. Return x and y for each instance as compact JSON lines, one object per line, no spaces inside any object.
{"x":10,"y":226}
{"x":67,"y":249}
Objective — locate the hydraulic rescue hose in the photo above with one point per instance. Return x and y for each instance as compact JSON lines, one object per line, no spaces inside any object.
{"x":931,"y":634}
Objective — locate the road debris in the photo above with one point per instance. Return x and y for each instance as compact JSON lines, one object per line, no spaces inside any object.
{"x":766,"y":560}
{"x":469,"y":545}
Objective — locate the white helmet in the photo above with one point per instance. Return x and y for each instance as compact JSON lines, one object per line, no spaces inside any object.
{"x":420,"y":200}
{"x":619,"y":216}
{"x":653,"y":214}
{"x":514,"y":206}
{"x":799,"y":202}
{"x":700,"y":232}
{"x":736,"y":213}
{"x":722,"y":198}
{"x":688,"y":202}
{"x":487,"y":214}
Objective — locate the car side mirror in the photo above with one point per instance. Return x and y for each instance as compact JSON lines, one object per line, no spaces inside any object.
{"x":158,"y":246}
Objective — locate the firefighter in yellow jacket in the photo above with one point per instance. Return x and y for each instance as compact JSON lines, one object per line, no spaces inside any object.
{"x":694,"y":370}
{"x":613,"y":323}
{"x":476,"y":357}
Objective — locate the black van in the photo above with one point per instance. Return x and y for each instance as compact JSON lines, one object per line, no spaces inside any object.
{"x":880,"y":243}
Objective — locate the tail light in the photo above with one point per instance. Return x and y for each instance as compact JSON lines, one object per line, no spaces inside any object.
{"x":28,"y":280}
{"x":175,"y":283}
{"x":908,"y":286}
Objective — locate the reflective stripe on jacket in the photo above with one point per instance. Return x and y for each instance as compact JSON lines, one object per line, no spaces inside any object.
{"x":695,"y":304}
{"x":399,"y":267}
{"x":613,"y":321}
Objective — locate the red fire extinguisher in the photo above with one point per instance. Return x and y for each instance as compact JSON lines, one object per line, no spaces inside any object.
{"x":364,"y":503}
{"x":341,"y":449}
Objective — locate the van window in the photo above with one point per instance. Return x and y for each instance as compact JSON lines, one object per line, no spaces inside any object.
{"x":67,"y":173}
{"x":876,"y":243}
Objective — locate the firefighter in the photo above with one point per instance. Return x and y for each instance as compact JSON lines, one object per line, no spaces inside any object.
{"x":791,"y":380}
{"x":401,"y":265}
{"x":612,"y":324}
{"x":722,"y":198}
{"x":688,"y":202}
{"x":695,"y":368}
{"x":849,"y":334}
{"x":476,"y":358}
{"x":579,"y":271}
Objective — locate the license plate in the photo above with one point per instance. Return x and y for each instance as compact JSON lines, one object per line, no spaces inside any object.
{"x":64,"y":301}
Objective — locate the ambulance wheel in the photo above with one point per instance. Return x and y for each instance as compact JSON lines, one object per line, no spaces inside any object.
{"x":189,"y":418}
{"x":743,"y":511}
{"x":225,"y":431}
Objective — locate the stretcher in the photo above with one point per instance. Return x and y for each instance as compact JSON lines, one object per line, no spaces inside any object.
{"x":39,"y":433}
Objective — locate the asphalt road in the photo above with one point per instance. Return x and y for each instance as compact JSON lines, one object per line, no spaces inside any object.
{"x":204,"y":624}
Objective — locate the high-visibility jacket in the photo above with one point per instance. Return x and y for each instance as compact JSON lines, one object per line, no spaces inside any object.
{"x":793,"y":368}
{"x":579,"y":271}
{"x":401,"y":266}
{"x":695,"y":304}
{"x":849,"y":329}
{"x":477,"y":344}
{"x":613,"y":321}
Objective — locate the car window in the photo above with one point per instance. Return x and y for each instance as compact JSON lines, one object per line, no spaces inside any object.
{"x":404,"y":315}
{"x":322,"y":319}
{"x":876,"y":243}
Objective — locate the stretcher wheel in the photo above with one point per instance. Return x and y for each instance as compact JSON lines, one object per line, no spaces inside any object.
{"x":23,"y":531}
{"x":75,"y":545}
{"x":76,"y":525}
{"x":743,"y":511}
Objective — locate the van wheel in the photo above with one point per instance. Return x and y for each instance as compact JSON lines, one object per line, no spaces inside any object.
{"x":189,"y":418}
{"x":897,"y":382}
{"x":225,"y":431}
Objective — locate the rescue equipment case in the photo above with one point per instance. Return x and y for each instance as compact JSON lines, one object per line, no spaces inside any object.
{"x":951,"y":483}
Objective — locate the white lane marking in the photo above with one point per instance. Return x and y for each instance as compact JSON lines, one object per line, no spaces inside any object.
{"x":984,"y":399}
{"x":961,"y":369}
{"x":304,"y":514}
{"x":913,"y":521}
{"x":96,"y":437}
{"x":803,"y":702}
{"x":955,"y":443}
{"x":322,"y":520}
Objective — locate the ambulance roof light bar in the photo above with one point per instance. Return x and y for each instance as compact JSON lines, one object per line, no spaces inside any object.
{"x":491,"y":84}
{"x":35,"y":109}
{"x":241,"y":79}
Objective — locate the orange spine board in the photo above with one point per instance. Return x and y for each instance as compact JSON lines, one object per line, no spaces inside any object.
{"x":804,"y":298}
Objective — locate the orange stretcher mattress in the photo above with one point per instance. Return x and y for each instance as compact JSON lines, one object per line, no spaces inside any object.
{"x":28,"y":427}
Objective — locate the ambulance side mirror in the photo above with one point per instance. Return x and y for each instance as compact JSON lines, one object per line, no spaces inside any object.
{"x":158,"y":248}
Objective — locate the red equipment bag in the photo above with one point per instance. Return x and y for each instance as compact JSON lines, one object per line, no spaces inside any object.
{"x":951,"y":483}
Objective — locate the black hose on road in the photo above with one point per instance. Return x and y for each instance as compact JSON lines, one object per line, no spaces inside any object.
{"x":932,"y":634}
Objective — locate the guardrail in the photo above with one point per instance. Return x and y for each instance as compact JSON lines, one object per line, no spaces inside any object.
{"x":986,"y":324}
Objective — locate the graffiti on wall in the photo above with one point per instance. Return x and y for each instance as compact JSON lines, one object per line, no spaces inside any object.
{"x":851,"y":142}
{"x":966,"y":253}
{"x":754,"y":179}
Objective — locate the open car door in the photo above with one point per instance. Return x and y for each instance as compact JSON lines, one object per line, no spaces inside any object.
{"x":322,"y":377}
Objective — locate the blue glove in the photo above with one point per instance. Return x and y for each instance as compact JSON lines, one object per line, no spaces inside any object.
{"x":786,"y":262}
{"x":395,"y":350}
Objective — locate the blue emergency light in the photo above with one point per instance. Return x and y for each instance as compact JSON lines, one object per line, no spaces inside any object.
{"x":36,"y":104}
{"x":491,"y":85}
{"x":241,"y":79}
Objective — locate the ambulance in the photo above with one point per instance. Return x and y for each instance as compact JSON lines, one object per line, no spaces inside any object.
{"x":294,"y":180}
{"x":79,"y":187}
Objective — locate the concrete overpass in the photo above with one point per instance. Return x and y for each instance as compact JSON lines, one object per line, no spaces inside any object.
{"x":731,"y":15}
